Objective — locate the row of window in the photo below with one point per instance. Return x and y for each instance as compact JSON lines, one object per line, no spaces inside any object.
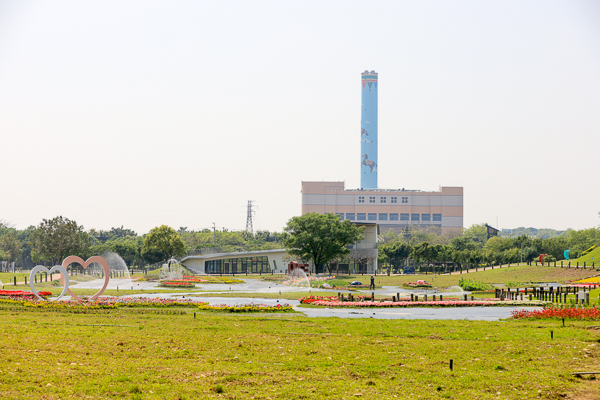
{"x":383,"y":199}
{"x":241,"y":265}
{"x":392,"y":217}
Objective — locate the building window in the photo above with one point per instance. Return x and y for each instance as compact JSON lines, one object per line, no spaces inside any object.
{"x":414,"y":217}
{"x":371,"y":199}
{"x":394,"y":199}
{"x":393,"y":217}
{"x":350,"y":216}
{"x":437,"y":217}
{"x":372,"y":217}
{"x":341,"y":215}
{"x":425,"y":217}
{"x":361,"y":199}
{"x":383,"y":216}
{"x":383,"y":200}
{"x":361,"y":217}
{"x":403,"y":217}
{"x":405,"y":200}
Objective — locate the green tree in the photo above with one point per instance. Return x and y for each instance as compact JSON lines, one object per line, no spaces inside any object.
{"x":420,"y":252}
{"x":462,"y":243}
{"x":57,"y":238}
{"x":477,"y":232}
{"x":395,"y":252}
{"x":320,"y":238}
{"x":126,"y":247}
{"x":10,"y":246}
{"x":166,"y":240}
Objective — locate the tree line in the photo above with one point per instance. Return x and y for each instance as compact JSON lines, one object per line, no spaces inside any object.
{"x":321,"y":239}
{"x":474,"y":247}
{"x":54,"y":239}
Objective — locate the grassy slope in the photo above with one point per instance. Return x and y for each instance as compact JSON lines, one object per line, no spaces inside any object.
{"x":522,"y":273}
{"x":595,"y":254}
{"x":121,"y":354}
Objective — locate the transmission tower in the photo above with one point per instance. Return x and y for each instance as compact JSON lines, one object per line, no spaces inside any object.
{"x":249,"y":217}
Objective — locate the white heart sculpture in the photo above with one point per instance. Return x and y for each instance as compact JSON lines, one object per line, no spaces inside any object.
{"x":84,"y":264}
{"x":41,"y":268}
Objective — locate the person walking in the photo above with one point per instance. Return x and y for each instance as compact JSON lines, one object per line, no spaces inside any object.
{"x":372,"y":285}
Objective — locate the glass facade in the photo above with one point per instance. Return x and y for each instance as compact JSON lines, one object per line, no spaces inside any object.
{"x":437,"y":217}
{"x":425,"y":217}
{"x":372,"y":217}
{"x":403,"y":217}
{"x":361,"y":216}
{"x":383,"y":216}
{"x":240,"y":265}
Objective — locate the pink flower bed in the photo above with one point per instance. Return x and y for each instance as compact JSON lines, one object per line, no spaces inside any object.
{"x":444,"y":303}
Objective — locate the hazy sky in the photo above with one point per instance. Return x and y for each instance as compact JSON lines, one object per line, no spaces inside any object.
{"x":142,"y":113}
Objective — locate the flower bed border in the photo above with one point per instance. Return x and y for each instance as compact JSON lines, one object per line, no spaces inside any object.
{"x":332,"y":301}
{"x":243,"y":308}
{"x":585,"y":313}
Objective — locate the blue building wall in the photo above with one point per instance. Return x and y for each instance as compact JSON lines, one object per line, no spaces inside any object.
{"x":368,"y":132}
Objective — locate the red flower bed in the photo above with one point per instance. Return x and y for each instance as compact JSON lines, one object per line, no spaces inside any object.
{"x":312,"y":299}
{"x":21,"y":294}
{"x":575,"y":313}
{"x":188,"y":278}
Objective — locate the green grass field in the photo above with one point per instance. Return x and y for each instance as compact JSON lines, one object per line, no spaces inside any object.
{"x":169,"y":354}
{"x":522,"y":274}
{"x":124,"y":354}
{"x":592,"y":257}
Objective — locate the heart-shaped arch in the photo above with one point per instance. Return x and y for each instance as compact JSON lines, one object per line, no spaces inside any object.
{"x":40,"y":268}
{"x":84,"y":264}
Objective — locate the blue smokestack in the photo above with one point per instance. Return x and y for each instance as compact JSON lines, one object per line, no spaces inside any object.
{"x":368,"y":132}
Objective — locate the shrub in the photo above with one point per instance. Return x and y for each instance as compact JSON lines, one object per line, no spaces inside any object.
{"x":472,"y":285}
{"x":583,"y":253}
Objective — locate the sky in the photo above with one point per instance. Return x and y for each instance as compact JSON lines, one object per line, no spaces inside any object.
{"x":144,"y":113}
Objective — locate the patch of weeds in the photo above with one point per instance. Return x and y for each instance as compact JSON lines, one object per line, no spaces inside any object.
{"x":219,"y":389}
{"x":135,"y":389}
{"x":123,"y":379}
{"x":499,"y":368}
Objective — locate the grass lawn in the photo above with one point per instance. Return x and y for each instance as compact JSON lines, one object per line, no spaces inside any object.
{"x":124,"y":354}
{"x":592,"y":257}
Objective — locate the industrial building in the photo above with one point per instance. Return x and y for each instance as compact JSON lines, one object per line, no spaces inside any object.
{"x":388,"y":208}
{"x":397,"y":209}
